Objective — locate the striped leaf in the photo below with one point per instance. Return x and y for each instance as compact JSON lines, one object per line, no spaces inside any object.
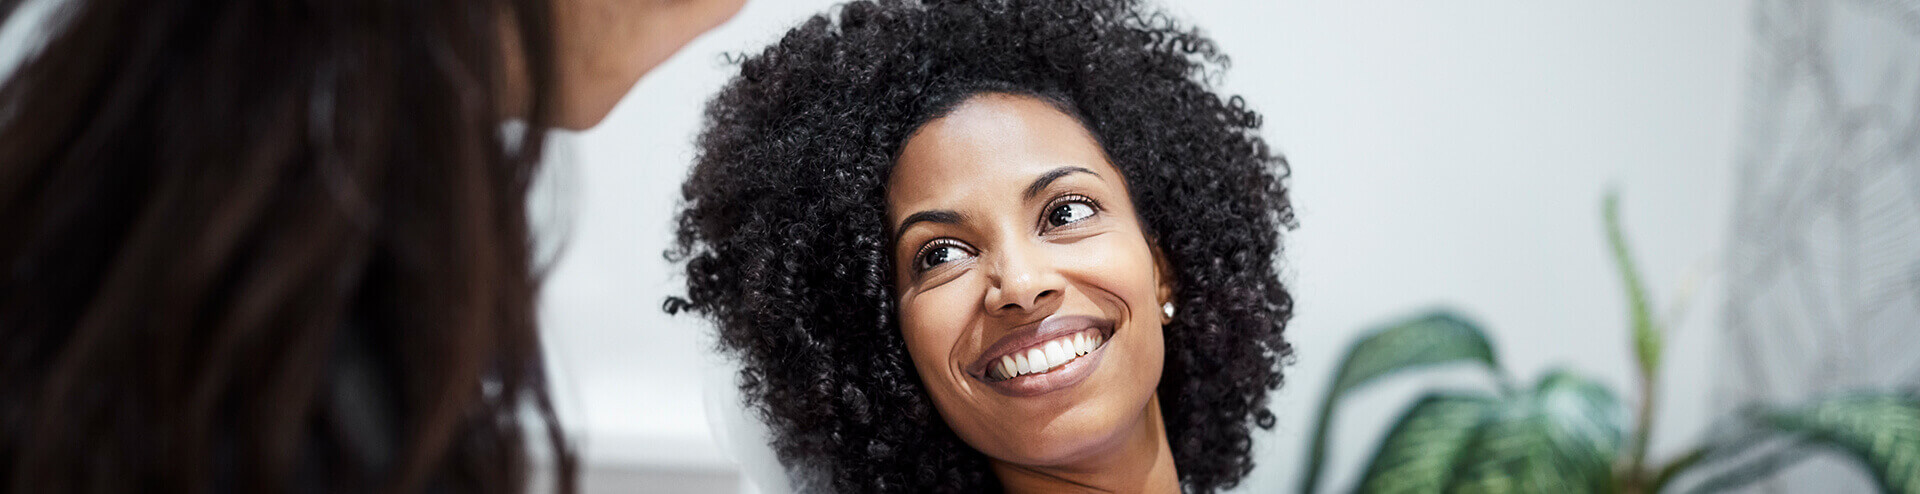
{"x":1881,"y":431}
{"x":1420,"y":453}
{"x":1584,"y":419}
{"x":1562,"y":436}
{"x":1433,"y":339}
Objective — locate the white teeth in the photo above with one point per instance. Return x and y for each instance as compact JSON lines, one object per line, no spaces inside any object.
{"x":1046,"y":356}
{"x":1056,"y":354}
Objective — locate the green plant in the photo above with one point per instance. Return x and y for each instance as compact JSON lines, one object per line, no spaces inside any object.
{"x":1567,"y":433}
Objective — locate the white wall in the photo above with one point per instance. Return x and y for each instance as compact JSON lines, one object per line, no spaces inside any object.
{"x":1456,"y":153}
{"x":1447,"y":153}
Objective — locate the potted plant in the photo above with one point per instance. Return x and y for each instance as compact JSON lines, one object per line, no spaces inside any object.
{"x":1568,"y":433}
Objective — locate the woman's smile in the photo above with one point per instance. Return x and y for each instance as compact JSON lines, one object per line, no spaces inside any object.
{"x":1052,"y":354}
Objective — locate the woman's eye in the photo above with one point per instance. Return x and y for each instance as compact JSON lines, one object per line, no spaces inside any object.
{"x":1069,"y":212}
{"x":938,"y":254}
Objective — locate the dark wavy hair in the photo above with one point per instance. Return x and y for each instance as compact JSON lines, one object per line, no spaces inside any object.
{"x":275,"y":246}
{"x":786,"y":246}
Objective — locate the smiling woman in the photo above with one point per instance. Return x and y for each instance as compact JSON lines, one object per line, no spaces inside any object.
{"x":1001,"y":243}
{"x":1042,"y":254}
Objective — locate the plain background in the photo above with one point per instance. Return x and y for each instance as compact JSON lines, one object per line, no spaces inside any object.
{"x":1444,"y":154}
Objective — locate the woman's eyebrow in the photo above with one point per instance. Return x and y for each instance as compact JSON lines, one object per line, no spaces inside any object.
{"x":1055,"y":174}
{"x":943,"y":216}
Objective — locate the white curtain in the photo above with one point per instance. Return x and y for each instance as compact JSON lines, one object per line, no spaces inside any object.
{"x":1823,"y":264}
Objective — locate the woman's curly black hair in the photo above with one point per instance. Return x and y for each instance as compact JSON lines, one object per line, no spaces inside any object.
{"x":786,"y":246}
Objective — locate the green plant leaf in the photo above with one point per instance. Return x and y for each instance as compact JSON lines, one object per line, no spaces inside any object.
{"x":1561,"y":437}
{"x":1436,"y":338}
{"x":1881,"y":431}
{"x":1584,"y":417}
{"x":1420,"y":453}
{"x":1647,"y":339}
{"x":1647,"y":344}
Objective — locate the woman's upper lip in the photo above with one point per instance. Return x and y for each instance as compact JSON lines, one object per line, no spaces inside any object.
{"x":1027,"y":335}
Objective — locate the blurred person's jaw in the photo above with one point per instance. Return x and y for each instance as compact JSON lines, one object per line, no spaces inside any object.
{"x":606,"y":45}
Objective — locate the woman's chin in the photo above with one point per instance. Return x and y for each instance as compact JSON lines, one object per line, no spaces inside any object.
{"x":1071,"y":437}
{"x":1060,"y":451}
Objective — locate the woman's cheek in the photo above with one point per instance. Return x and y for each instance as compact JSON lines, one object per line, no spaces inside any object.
{"x":921,"y":341}
{"x":932,"y":329}
{"x":1118,"y":265}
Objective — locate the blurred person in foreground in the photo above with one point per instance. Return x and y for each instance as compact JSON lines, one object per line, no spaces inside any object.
{"x":282,"y":246}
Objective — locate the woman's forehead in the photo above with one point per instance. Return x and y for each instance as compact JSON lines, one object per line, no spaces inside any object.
{"x":987,"y":147}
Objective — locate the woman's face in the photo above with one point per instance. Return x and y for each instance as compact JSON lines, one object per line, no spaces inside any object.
{"x":1029,"y":294}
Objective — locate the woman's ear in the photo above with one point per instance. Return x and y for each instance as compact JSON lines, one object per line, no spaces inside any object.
{"x":1163,"y":276}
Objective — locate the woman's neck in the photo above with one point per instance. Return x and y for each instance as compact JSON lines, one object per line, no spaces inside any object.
{"x":1140,"y":463}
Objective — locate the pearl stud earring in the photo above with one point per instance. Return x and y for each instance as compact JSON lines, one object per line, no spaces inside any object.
{"x":1167,"y":308}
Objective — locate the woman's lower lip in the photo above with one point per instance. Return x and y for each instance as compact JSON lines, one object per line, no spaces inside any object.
{"x":1065,"y":376}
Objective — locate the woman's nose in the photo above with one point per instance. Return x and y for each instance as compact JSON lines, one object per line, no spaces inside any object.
{"x":1023,"y":279}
